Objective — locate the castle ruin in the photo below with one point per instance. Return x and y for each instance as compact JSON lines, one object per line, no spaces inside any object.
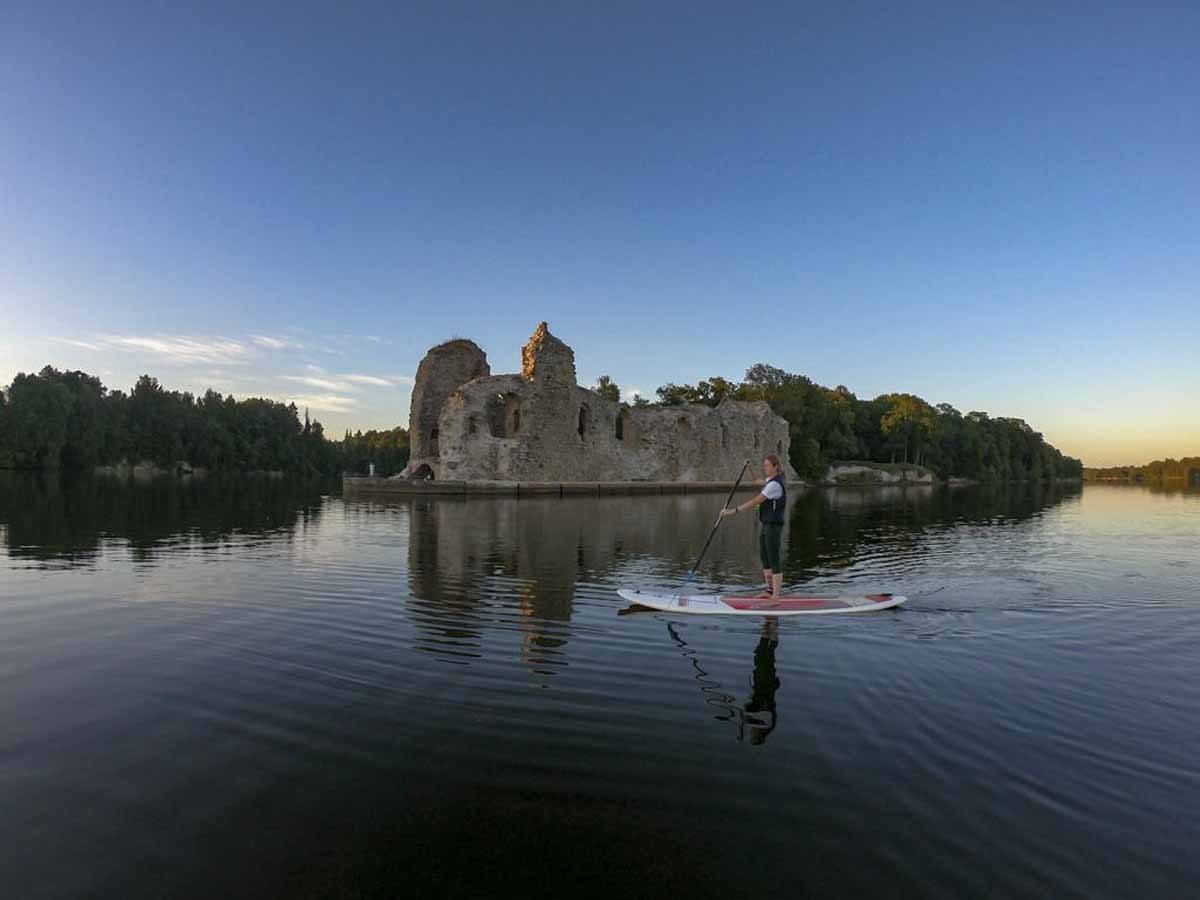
{"x":467,"y":424}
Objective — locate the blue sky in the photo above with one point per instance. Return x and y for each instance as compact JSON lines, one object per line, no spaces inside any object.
{"x":999,"y":209}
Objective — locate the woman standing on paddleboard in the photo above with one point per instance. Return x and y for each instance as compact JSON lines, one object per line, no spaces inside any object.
{"x":771,"y":502}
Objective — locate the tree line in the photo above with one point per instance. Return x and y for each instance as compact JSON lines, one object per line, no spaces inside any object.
{"x":832,"y":424}
{"x":70,"y":420}
{"x":388,"y":450}
{"x":1161,"y":471}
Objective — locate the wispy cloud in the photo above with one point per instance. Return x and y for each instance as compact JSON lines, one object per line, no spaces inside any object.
{"x":273,"y":343}
{"x":309,"y":381}
{"x":173,"y":348}
{"x":630,"y":394}
{"x":325,"y":402}
{"x":330,"y":382}
{"x":82,"y":344}
{"x":373,"y":380}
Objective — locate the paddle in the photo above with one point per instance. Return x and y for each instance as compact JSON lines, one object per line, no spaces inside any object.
{"x":716,"y":524}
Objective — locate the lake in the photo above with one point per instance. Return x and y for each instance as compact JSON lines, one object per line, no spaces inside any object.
{"x":255,"y":688}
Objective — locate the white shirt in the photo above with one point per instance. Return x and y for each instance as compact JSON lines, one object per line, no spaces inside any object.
{"x":772,"y":490}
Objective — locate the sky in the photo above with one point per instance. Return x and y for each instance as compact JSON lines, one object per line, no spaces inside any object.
{"x":997,"y":208}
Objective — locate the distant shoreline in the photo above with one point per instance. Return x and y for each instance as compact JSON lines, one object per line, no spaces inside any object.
{"x":1185,"y":471}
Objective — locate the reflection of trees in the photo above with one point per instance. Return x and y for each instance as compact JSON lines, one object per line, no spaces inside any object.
{"x":1191,"y":487}
{"x":46,"y":516}
{"x":830,"y":527}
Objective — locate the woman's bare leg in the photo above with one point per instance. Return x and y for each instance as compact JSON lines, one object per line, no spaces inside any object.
{"x":777,"y":585}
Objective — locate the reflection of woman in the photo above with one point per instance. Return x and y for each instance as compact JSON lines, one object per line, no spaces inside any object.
{"x":771,"y":503}
{"x":760,"y":708}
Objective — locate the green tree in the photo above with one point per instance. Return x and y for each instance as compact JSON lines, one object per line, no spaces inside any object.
{"x":85,"y":437}
{"x":608,"y":389}
{"x":911,"y":420}
{"x":388,"y":450}
{"x":7,"y":451}
{"x":673,"y":394}
{"x":38,"y":410}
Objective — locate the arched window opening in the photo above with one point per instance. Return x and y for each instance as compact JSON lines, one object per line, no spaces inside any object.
{"x":724,"y":437}
{"x":585,"y":421}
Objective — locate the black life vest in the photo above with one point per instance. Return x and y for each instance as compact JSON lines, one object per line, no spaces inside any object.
{"x":771,"y":511}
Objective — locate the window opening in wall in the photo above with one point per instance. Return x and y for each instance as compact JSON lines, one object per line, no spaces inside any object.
{"x":504,"y":415}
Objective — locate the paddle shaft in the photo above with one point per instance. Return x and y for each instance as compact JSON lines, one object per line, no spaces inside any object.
{"x":717,"y":524}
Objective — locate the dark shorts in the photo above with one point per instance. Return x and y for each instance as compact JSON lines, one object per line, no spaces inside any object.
{"x":770,"y":536}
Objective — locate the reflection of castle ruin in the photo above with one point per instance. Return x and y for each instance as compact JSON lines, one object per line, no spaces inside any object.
{"x":502,"y":565}
{"x":467,"y":424}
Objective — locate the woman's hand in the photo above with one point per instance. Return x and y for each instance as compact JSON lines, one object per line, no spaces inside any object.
{"x":728,"y":511}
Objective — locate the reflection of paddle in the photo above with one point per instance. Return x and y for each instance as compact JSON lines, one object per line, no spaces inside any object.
{"x":717,"y":524}
{"x":713,"y":695}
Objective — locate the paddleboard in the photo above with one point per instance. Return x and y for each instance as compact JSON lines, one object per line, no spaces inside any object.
{"x":760,"y":605}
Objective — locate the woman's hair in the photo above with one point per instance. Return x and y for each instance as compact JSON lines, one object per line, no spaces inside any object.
{"x":774,"y":460}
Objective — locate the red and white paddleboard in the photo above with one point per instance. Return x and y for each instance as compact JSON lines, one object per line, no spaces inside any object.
{"x":760,"y":605}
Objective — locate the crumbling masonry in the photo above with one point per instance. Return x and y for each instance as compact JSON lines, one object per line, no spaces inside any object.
{"x":467,"y":424}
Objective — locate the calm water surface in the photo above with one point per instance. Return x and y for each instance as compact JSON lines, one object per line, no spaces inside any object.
{"x":254,"y":689}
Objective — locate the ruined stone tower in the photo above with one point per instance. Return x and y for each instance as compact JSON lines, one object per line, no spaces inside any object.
{"x":548,"y":367}
{"x":445,"y":369}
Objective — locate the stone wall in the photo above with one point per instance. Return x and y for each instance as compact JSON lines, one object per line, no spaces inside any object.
{"x":542,"y":426}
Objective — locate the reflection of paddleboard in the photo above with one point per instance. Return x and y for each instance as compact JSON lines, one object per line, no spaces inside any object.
{"x":750,"y":605}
